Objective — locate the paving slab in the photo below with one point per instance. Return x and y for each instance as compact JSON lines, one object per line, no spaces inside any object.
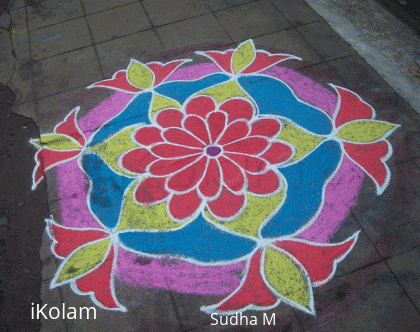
{"x":329,"y":243}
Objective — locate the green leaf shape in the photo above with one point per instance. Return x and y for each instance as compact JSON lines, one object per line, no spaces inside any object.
{"x":286,"y":278}
{"x":225,"y":91}
{"x":243,"y":56}
{"x":161,"y":102}
{"x":57,"y":142}
{"x":135,"y":215}
{"x":83,"y":260}
{"x":139,"y":75}
{"x":115,"y":146}
{"x":365,"y":131}
{"x":257,"y":211}
{"x":302,"y":140}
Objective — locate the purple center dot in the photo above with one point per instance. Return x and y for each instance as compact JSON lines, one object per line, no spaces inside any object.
{"x":213,"y":151}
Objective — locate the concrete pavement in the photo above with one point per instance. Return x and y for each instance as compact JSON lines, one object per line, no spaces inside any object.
{"x":53,"y":50}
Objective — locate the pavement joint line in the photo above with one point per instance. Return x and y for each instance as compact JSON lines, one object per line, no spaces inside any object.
{"x":93,"y":40}
{"x":153,"y":28}
{"x":221,"y":25}
{"x":60,"y":290}
{"x":9,"y":29}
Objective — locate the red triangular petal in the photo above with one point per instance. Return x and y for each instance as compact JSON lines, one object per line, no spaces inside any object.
{"x":264,"y":60}
{"x":99,"y":282}
{"x":162,"y":71}
{"x":69,"y":127}
{"x":69,"y":239}
{"x":223,"y":59}
{"x":318,"y":259}
{"x":117,"y":82}
{"x":351,"y":107}
{"x":371,"y":157}
{"x":38,"y":172}
{"x":51,"y":157}
{"x":252,"y":291}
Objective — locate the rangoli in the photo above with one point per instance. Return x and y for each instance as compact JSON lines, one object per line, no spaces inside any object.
{"x":237,"y":164}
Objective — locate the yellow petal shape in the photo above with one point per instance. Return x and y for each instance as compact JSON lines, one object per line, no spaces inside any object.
{"x":57,"y":142}
{"x":286,"y":278}
{"x":82,"y":260}
{"x":111,"y":149}
{"x":139,"y":75}
{"x":256,"y":212}
{"x":302,"y":140}
{"x":225,"y":91}
{"x":160,"y":102}
{"x":135,"y":215}
{"x":243,"y":56}
{"x":365,"y":131}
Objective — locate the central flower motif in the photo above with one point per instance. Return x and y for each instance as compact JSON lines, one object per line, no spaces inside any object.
{"x":207,"y":155}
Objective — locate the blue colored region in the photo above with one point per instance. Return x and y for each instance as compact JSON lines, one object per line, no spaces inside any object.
{"x":107,"y":189}
{"x":137,"y":111}
{"x":180,"y":91}
{"x":274,"y":97}
{"x":199,"y":240}
{"x":305,"y":182}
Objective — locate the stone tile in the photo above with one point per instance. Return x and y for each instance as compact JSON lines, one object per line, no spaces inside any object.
{"x":289,"y":41}
{"x":296,"y":11}
{"x":116,"y":54}
{"x":120,"y":21}
{"x":323,"y":74}
{"x":20,"y":36}
{"x":15,"y":4}
{"x":222,"y":4}
{"x":407,"y":271}
{"x":52,"y":298}
{"x":51,"y":110}
{"x":325,"y":40}
{"x":202,"y":32}
{"x":163,"y":12}
{"x":361,"y":78}
{"x":4,"y":20}
{"x":51,"y":12}
{"x":26,"y":109}
{"x":362,"y":254}
{"x":6,"y":58}
{"x":93,"y":6}
{"x":251,"y":20}
{"x":66,"y":71}
{"x":148,"y":310}
{"x":391,"y":220}
{"x":59,"y":38}
{"x":360,"y":301}
{"x":20,"y":81}
{"x":49,"y":266}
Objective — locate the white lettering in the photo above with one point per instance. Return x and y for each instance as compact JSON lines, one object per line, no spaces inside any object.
{"x":74,"y":312}
{"x":272,"y":320}
{"x":39,"y":311}
{"x":50,"y":314}
{"x":87,"y":310}
{"x":215,"y":319}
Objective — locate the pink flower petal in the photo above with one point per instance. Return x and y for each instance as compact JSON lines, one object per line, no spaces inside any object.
{"x":165,"y":167}
{"x":248,"y":163}
{"x":162,"y":71}
{"x":236,"y":130}
{"x":265,"y":127}
{"x":117,"y":82}
{"x":232,"y":174}
{"x":223,"y":59}
{"x":169,"y":118}
{"x":227,"y":204}
{"x":151,"y":190}
{"x":189,"y":177}
{"x":211,"y":183}
{"x":249,"y":145}
{"x":69,"y":127}
{"x":98,"y":283}
{"x":237,"y":109}
{"x":182,"y":137}
{"x":184,"y":206}
{"x":137,"y":160}
{"x":197,"y":127}
{"x":263,"y":184}
{"x":351,"y":107}
{"x":277,"y":153}
{"x":217,"y":123}
{"x":166,"y":150}
{"x":264,"y":60}
{"x":148,"y":135}
{"x":200,"y":106}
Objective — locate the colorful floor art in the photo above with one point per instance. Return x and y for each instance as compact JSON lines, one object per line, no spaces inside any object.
{"x":226,"y":177}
